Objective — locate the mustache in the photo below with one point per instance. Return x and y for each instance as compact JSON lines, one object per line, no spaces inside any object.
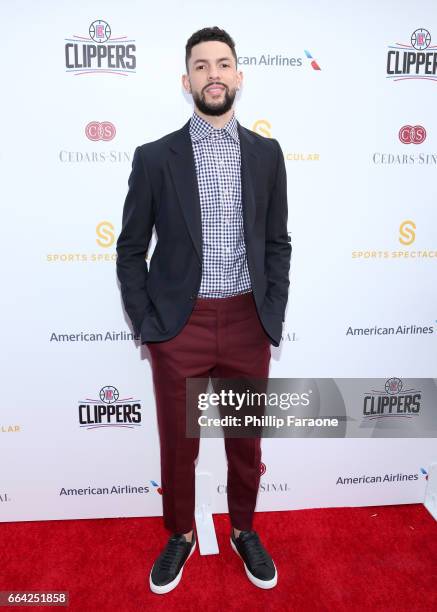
{"x":211,"y":84}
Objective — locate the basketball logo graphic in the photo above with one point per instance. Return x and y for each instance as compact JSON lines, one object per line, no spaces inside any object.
{"x":420,"y":39}
{"x":109,"y":394}
{"x":100,"y":31}
{"x":262,"y":468}
{"x":393,"y":386}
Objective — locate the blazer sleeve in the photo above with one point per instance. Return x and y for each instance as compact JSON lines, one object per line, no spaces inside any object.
{"x":278,"y":247}
{"x":133,"y":242}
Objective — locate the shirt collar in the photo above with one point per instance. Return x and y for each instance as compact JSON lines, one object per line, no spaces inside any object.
{"x":200,"y":129}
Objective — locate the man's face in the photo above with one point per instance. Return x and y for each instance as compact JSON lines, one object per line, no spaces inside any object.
{"x":213,"y":78}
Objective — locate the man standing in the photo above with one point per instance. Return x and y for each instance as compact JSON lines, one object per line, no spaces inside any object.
{"x":214,"y":296}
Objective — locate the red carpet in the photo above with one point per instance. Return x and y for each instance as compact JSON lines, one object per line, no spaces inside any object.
{"x":378,"y":558}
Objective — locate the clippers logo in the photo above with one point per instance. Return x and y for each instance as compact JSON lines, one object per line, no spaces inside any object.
{"x":417,"y":60}
{"x":392,"y":401}
{"x":262,"y":468}
{"x":109,"y":395}
{"x":112,"y":412}
{"x":412,"y":134}
{"x":314,"y":64}
{"x":96,"y":130}
{"x":100,"y":52}
{"x":100,"y":31}
{"x":393,"y":385}
{"x":420,"y":39}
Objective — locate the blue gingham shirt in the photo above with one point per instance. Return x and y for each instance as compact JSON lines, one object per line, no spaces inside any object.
{"x":218,"y":168}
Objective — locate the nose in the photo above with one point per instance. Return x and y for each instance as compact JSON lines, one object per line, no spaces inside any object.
{"x":213,"y":74}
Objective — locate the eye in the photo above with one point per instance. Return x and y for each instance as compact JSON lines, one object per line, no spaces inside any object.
{"x":225,"y":65}
{"x":200,"y":66}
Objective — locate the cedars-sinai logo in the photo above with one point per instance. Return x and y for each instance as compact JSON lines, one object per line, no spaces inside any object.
{"x":100,"y":52}
{"x":100,"y":130}
{"x":414,"y":60}
{"x":412,"y":134}
{"x":393,"y":401}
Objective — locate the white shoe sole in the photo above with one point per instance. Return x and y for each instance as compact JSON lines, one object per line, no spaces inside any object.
{"x":166,"y":588}
{"x":262,"y":584}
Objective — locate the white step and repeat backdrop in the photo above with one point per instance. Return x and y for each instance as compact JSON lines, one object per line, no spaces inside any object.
{"x":349,"y":91}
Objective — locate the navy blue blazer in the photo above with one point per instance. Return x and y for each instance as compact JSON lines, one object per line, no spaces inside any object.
{"x":163,"y":192}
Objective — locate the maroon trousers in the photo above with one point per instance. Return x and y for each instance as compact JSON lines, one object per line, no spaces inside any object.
{"x":223,"y":338}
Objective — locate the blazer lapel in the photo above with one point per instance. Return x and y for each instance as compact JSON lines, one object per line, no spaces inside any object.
{"x":249,"y":172}
{"x":183,"y":171}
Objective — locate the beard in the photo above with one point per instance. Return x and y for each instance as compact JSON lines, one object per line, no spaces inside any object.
{"x":216,"y":108}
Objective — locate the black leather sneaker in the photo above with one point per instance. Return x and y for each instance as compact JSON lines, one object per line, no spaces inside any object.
{"x":258,"y":564}
{"x":166,"y":572}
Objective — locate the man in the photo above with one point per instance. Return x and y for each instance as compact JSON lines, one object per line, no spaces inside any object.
{"x":214,"y":296}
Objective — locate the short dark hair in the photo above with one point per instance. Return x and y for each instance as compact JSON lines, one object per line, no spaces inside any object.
{"x":207,"y":34}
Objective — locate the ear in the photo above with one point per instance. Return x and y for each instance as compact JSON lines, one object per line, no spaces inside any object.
{"x":186,"y":83}
{"x":239,"y":79}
